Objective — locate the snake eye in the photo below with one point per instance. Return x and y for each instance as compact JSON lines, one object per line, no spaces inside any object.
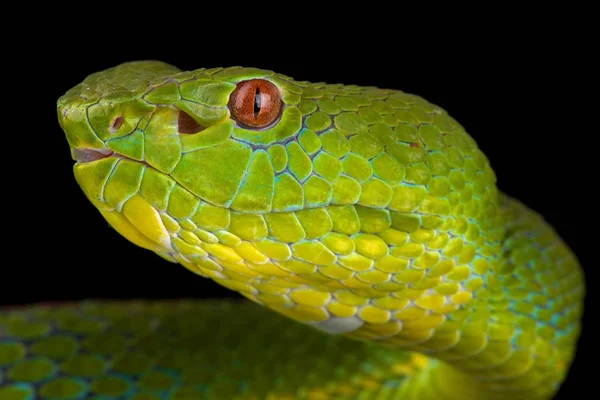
{"x":255,"y":103}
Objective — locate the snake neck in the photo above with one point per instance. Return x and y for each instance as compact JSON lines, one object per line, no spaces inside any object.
{"x":516,"y":337}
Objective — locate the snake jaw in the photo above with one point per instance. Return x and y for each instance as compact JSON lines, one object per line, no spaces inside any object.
{"x":89,"y":155}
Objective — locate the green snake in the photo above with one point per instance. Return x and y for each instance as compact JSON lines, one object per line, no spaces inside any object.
{"x":366,"y":222}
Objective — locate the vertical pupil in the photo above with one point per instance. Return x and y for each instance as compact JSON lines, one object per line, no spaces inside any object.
{"x":257,"y":102}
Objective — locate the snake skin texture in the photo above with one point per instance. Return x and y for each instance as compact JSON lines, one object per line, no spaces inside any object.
{"x":365,"y":221}
{"x":189,"y":350}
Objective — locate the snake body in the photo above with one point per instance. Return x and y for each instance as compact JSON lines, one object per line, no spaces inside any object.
{"x":366,"y":222}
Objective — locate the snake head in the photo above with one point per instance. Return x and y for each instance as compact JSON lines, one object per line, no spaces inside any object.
{"x":146,"y":133}
{"x":284,"y":191}
{"x":201,"y":128}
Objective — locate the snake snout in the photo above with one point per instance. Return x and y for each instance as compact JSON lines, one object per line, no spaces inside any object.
{"x":88,"y":155}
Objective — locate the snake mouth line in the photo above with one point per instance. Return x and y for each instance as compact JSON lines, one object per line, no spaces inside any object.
{"x":82,"y":156}
{"x":89,"y":155}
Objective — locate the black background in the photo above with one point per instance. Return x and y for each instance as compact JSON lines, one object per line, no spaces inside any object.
{"x":523,"y":101}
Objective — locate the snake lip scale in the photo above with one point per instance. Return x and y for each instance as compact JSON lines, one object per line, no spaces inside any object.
{"x":363,"y":225}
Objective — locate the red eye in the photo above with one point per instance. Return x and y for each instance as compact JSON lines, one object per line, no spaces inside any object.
{"x":255,"y":103}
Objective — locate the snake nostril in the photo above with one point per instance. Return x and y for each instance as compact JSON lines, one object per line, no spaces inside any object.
{"x":187,"y":124}
{"x":117,"y":123}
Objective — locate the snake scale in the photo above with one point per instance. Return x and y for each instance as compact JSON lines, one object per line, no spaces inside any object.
{"x":366,"y":222}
